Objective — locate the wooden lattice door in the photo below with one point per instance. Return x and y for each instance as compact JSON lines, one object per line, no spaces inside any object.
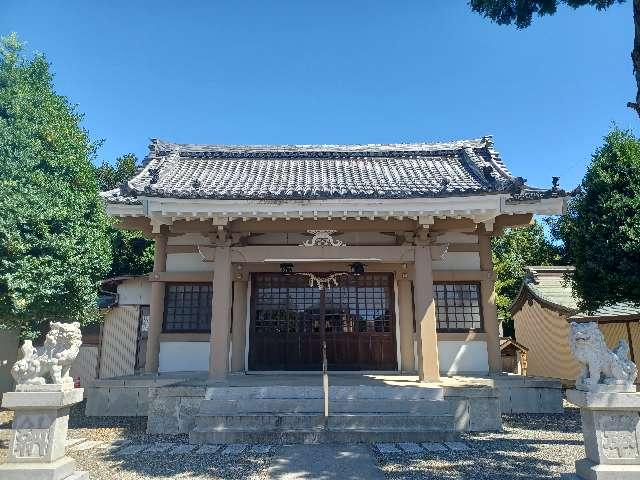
{"x":290,"y":320}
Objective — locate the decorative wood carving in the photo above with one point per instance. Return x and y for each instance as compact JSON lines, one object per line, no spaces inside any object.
{"x":322,"y":238}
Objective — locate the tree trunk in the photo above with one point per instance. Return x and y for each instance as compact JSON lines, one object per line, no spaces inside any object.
{"x":635,"y":55}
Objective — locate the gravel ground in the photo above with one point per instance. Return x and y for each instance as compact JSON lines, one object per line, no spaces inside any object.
{"x":104,"y":465}
{"x":530,"y":447}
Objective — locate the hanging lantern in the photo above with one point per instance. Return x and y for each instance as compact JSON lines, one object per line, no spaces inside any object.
{"x":286,"y":268}
{"x":357,"y":268}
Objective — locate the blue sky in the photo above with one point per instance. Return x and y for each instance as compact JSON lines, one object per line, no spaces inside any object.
{"x":362,"y":71}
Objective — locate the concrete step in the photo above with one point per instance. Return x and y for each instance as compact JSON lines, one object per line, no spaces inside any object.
{"x":400,"y":422}
{"x":285,"y":405}
{"x":357,"y":392}
{"x":266,"y":421}
{"x":319,"y":436}
{"x":397,"y":422}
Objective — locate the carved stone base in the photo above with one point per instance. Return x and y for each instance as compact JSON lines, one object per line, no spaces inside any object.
{"x":62,"y":469}
{"x":588,"y":470}
{"x":39,"y":433}
{"x":611,"y":429}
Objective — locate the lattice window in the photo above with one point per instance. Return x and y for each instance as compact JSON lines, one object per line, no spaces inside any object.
{"x":285,"y":304}
{"x":362,"y":303}
{"x":188,"y":307}
{"x":341,"y":308}
{"x":458,"y":307}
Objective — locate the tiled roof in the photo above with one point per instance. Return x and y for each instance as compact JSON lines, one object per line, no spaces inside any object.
{"x":622,"y":309}
{"x":548,"y":284}
{"x":319,"y":171}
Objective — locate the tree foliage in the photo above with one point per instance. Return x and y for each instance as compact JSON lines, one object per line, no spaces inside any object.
{"x":110,"y":176}
{"x":53,"y":242}
{"x":601,"y":229}
{"x":514,"y":250}
{"x":521,"y":12}
{"x":132,"y":252}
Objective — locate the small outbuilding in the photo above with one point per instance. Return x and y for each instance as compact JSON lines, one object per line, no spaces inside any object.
{"x":542,"y":312}
{"x":514,"y":356}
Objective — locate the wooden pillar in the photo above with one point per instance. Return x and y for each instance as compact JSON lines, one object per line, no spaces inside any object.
{"x":239,"y":327}
{"x":489,"y":309}
{"x":156,"y":307}
{"x":221,"y":317}
{"x":405,"y":312}
{"x":425,"y":311}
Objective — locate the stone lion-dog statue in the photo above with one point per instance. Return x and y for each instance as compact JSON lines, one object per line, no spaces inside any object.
{"x":61,"y":347}
{"x":602,"y":369}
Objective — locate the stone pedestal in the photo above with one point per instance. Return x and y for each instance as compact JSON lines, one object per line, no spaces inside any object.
{"x":39,"y":433}
{"x":611,"y":428}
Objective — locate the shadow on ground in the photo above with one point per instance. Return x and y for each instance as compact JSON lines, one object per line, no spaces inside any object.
{"x":530,"y":447}
{"x":78,"y":420}
{"x":567,"y":422}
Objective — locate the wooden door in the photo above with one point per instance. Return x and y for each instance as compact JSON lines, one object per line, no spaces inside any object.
{"x":290,"y":320}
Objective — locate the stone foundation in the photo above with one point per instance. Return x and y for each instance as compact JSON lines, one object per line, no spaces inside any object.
{"x":520,"y":394}
{"x":172,"y":409}
{"x":128,"y":396}
{"x":171,"y":401}
{"x":475,"y":409}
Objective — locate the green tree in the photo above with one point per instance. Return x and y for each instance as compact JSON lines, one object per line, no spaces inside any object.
{"x":601,"y":230}
{"x":110,"y":176}
{"x":514,"y":250}
{"x":132,"y":252}
{"x":53,"y":242}
{"x":520,"y":13}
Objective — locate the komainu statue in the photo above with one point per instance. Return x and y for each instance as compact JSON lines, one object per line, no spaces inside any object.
{"x":61,"y":347}
{"x":602,"y":369}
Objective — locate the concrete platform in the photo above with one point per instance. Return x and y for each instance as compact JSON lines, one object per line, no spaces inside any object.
{"x":174,"y":402}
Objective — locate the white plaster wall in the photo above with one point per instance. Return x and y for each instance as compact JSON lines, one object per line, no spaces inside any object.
{"x":136,"y":291}
{"x":189,"y":239}
{"x":458,"y":261}
{"x":457,"y":237}
{"x":187,"y":262}
{"x":184,"y":356}
{"x":463,"y":357}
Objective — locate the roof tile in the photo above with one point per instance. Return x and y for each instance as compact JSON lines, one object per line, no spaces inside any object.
{"x":297,"y":172}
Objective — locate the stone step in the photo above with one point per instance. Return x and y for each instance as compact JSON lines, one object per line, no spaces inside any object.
{"x":320,"y":436}
{"x":400,"y":422}
{"x":357,"y":392}
{"x":269,"y":405}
